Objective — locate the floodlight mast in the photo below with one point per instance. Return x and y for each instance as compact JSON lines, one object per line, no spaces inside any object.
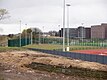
{"x":63,"y":25}
{"x":68,"y":5}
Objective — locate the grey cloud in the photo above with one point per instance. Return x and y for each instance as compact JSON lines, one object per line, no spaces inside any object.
{"x":50,"y":11}
{"x":1,"y":30}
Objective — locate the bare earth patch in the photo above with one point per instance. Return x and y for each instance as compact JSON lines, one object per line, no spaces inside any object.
{"x":12,"y":66}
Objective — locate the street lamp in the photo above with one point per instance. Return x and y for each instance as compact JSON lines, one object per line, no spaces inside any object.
{"x":20,"y":33}
{"x":63,"y":25}
{"x":68,"y":26}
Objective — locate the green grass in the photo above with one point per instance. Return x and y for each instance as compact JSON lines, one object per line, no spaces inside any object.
{"x":47,"y":47}
{"x":44,"y":46}
{"x":4,"y":49}
{"x":59,"y":47}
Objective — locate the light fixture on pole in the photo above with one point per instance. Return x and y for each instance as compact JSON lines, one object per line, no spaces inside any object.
{"x":20,"y":33}
{"x":63,"y":25}
{"x":68,"y":5}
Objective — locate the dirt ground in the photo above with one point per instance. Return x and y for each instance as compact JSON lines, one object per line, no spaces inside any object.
{"x":12,"y":66}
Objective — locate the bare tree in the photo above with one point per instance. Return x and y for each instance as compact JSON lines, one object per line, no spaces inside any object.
{"x":3,"y":14}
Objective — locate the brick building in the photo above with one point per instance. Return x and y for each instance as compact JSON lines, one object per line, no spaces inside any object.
{"x":99,"y":31}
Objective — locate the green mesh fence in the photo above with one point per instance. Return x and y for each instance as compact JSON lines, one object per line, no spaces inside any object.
{"x":78,"y":42}
{"x":16,"y":42}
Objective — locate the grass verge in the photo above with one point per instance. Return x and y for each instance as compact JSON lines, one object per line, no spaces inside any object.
{"x":59,"y":47}
{"x":4,"y":49}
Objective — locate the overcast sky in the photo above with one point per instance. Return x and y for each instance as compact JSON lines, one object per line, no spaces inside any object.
{"x":48,"y":13}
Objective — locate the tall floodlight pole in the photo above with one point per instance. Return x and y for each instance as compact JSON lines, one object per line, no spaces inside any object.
{"x":68,"y":26}
{"x":20,"y":33}
{"x":63,"y":25}
{"x":26,"y":35}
